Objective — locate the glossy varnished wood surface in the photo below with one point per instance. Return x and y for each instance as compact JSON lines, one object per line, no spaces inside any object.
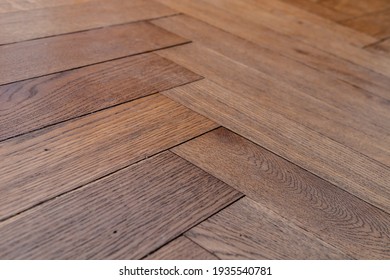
{"x":123,"y":216}
{"x":39,"y":102}
{"x":333,"y":215}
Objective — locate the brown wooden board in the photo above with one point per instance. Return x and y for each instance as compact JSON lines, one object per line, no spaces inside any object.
{"x":382,"y":47}
{"x":248,"y":230}
{"x":21,"y":5}
{"x":41,"y":165}
{"x":355,"y":7}
{"x":39,"y":102}
{"x":51,"y":21}
{"x":328,"y":159}
{"x":50,"y":55}
{"x":315,"y":205}
{"x":123,"y":216}
{"x":181,"y":249}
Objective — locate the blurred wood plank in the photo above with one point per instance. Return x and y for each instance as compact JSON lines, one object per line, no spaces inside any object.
{"x":355,"y":7}
{"x":333,"y":215}
{"x":248,"y":230}
{"x":50,"y":55}
{"x":181,"y":248}
{"x":382,"y":48}
{"x":123,"y":216}
{"x":39,"y":102}
{"x":78,"y":17}
{"x":7,"y":6}
{"x":328,"y":159}
{"x":41,"y":165}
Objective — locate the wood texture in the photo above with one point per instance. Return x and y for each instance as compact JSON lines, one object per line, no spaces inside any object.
{"x":315,"y":205}
{"x":247,"y":230}
{"x":330,"y":160}
{"x":123,"y":216}
{"x":21,"y":5}
{"x":36,"y":103}
{"x":38,"y":166}
{"x":181,"y":249}
{"x":382,"y":48}
{"x":355,"y":7}
{"x":368,"y":135}
{"x":50,"y":55}
{"x":51,"y":21}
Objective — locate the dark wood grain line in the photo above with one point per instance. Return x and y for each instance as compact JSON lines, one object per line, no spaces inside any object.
{"x":51,"y":55}
{"x":37,"y":103}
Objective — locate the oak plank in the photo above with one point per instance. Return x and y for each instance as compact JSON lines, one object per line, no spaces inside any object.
{"x":240,"y":24}
{"x":333,"y":215}
{"x":328,"y":159}
{"x":350,"y":123}
{"x":181,"y":248}
{"x":123,"y":216}
{"x":50,"y":55}
{"x":51,"y":21}
{"x":248,"y":230}
{"x":40,"y":165}
{"x":39,"y":102}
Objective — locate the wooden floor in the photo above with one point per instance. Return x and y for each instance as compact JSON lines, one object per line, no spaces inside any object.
{"x":209,"y":129}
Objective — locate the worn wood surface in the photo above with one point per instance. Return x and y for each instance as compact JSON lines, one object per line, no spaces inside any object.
{"x":181,"y":248}
{"x":40,"y":165}
{"x":123,"y":216}
{"x":248,"y":230}
{"x":50,"y":55}
{"x":36,"y":103}
{"x":315,"y":205}
{"x":71,"y":18}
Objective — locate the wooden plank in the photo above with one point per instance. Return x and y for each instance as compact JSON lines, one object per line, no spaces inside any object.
{"x":7,"y":6}
{"x":36,"y":103}
{"x":328,"y":159}
{"x":315,"y":205}
{"x":50,"y":55}
{"x":181,"y":248}
{"x":248,"y":230}
{"x":358,"y":128}
{"x":382,"y":47}
{"x":123,"y":216}
{"x":71,"y":18}
{"x":355,"y":7}
{"x":375,"y":24}
{"x":240,"y":24}
{"x":40,"y":165}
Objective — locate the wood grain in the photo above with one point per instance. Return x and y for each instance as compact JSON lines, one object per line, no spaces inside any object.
{"x":181,"y":248}
{"x":315,"y":205}
{"x":345,"y":124}
{"x":51,"y":21}
{"x":50,"y":55}
{"x":123,"y":216}
{"x":40,"y":165}
{"x":355,"y":7}
{"x":248,"y":27}
{"x":36,"y":103}
{"x":382,"y":48}
{"x":20,"y":5}
{"x":247,"y":230}
{"x":328,"y":159}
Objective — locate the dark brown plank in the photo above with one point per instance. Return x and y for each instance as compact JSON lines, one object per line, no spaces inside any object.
{"x":46,"y":56}
{"x":71,"y":18}
{"x":248,"y":230}
{"x":36,"y":103}
{"x":330,"y":160}
{"x":123,"y":216}
{"x":181,"y":249}
{"x":315,"y":205}
{"x":349,"y":123}
{"x":41,"y":165}
{"x":374,"y":24}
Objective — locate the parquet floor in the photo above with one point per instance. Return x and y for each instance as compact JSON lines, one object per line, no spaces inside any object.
{"x":209,"y":129}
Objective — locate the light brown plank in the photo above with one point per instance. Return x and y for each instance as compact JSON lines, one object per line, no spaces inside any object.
{"x":382,"y":48}
{"x":181,"y":249}
{"x":375,"y":24}
{"x":71,"y":18}
{"x":350,"y":124}
{"x":50,"y":55}
{"x":330,"y":160}
{"x":36,"y":103}
{"x":20,"y":5}
{"x":247,"y":230}
{"x":41,"y":165}
{"x":248,"y":27}
{"x":123,"y":216}
{"x":355,"y":7}
{"x":315,"y":205}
